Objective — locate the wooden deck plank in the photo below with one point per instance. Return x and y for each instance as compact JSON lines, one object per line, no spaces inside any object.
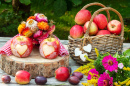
{"x":51,"y":81}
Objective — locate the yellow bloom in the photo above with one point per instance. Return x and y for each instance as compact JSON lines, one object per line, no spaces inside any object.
{"x":126,"y":68}
{"x":97,"y":53}
{"x":124,"y":82}
{"x":128,"y":83}
{"x":21,"y":27}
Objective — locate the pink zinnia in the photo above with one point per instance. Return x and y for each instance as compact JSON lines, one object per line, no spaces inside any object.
{"x":110,"y":63}
{"x":93,"y":75}
{"x":105,"y":80}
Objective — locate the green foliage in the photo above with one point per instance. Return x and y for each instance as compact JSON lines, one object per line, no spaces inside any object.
{"x":9,"y":22}
{"x":76,"y":2}
{"x":60,"y":7}
{"x":26,"y":2}
{"x":127,"y":32}
{"x":121,"y":74}
{"x":8,"y":0}
{"x":98,"y":63}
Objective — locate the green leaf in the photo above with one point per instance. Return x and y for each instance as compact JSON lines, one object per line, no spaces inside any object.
{"x":49,"y":2}
{"x":116,"y":55}
{"x":8,"y":0}
{"x":60,"y":7}
{"x":127,"y":52}
{"x":26,"y":2}
{"x":77,"y":2}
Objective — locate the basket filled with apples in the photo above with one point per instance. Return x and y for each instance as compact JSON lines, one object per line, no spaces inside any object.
{"x":95,"y":33}
{"x":35,"y":49}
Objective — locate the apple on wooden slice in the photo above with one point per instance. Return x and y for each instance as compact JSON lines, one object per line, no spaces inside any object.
{"x":21,"y":46}
{"x":49,"y":48}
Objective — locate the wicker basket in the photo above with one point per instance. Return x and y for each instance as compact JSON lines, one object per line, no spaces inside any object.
{"x":104,"y":43}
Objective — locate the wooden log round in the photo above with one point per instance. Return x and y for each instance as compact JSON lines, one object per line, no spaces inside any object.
{"x":35,"y":64}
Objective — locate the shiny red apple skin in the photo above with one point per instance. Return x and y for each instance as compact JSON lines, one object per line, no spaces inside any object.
{"x":22,"y":77}
{"x":47,"y":45}
{"x":82,"y":16}
{"x":20,"y":43}
{"x":101,"y":21}
{"x":62,"y":74}
{"x":114,"y":27}
{"x":93,"y":28}
{"x":76,"y":31}
{"x":103,"y":32}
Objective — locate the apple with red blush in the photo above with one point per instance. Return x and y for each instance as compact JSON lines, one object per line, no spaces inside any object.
{"x":49,"y":48}
{"x":76,"y":31}
{"x":21,"y":46}
{"x":82,"y":16}
{"x":100,"y":20}
{"x":103,"y":32}
{"x":62,"y":74}
{"x":93,"y":28}
{"x":114,"y":27}
{"x":22,"y":77}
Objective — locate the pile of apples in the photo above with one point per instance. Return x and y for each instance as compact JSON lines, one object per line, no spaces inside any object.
{"x":99,"y":26}
{"x":61,"y":74}
{"x":21,"y":46}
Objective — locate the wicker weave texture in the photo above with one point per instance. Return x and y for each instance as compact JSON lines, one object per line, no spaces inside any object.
{"x":104,"y":43}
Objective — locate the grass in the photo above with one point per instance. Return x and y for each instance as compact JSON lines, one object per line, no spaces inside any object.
{"x":65,"y":22}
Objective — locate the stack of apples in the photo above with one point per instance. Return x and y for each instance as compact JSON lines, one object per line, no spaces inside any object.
{"x":99,"y":26}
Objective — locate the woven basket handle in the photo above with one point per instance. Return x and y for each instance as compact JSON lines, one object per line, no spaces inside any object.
{"x":98,"y":4}
{"x":103,"y":9}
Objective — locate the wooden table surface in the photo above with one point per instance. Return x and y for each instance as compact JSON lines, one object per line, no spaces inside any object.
{"x":50,"y":81}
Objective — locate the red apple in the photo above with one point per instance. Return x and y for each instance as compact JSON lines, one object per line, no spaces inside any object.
{"x":82,"y":16}
{"x":93,"y":28}
{"x":22,"y":77}
{"x":21,"y":46}
{"x":62,"y":74}
{"x":101,"y":21}
{"x":76,"y":31}
{"x":49,"y":48}
{"x":103,"y":32}
{"x":114,"y":27}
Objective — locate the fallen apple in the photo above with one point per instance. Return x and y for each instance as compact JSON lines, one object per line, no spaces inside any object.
{"x":101,"y":21}
{"x":76,"y":31}
{"x":22,"y":77}
{"x":62,"y":74}
{"x":114,"y":27}
{"x":49,"y":48}
{"x":93,"y":28}
{"x":21,"y":46}
{"x":82,"y":16}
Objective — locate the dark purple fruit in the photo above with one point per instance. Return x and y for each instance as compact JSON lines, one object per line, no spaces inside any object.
{"x":69,"y":68}
{"x":73,"y":80}
{"x":78,"y":74}
{"x":40,"y":80}
{"x":6,"y":79}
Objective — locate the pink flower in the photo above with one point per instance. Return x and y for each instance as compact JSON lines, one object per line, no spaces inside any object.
{"x":41,"y":17}
{"x":92,"y":74}
{"x":110,"y":63}
{"x":105,"y":80}
{"x":120,"y":65}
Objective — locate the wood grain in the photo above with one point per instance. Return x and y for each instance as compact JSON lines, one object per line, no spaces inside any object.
{"x":35,"y":64}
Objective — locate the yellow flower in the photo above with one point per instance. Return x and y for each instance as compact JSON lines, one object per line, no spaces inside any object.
{"x":124,"y":82}
{"x":21,"y":27}
{"x":128,"y":83}
{"x":97,"y":53}
{"x":126,"y":68}
{"x":93,"y":81}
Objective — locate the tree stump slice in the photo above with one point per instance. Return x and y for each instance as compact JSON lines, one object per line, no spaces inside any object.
{"x":35,"y":64}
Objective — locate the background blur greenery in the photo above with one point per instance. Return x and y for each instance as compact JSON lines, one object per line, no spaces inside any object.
{"x":62,"y":12}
